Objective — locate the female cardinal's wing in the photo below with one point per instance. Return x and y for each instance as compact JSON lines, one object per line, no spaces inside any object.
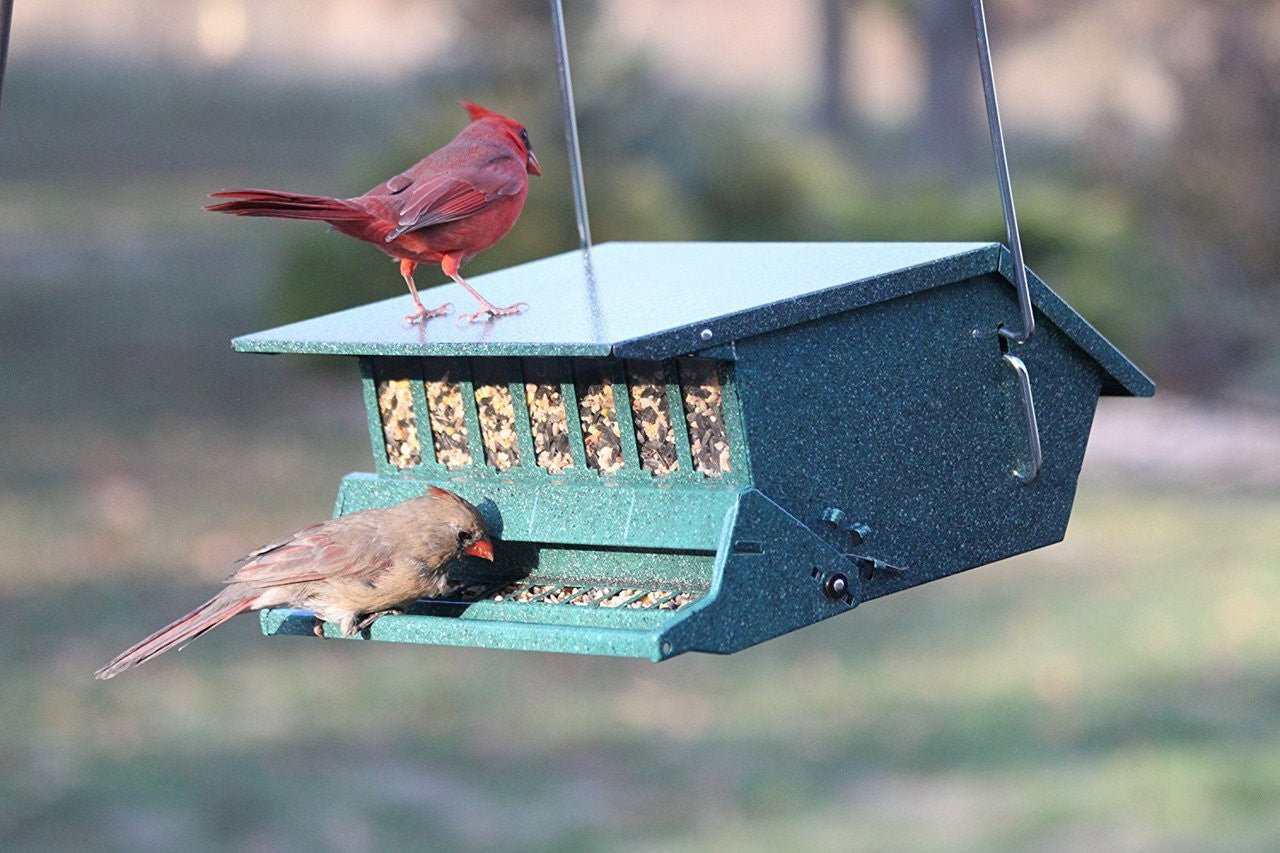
{"x":438,"y":193}
{"x":341,"y":547}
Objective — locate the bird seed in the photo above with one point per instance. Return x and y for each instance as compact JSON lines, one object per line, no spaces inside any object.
{"x":399,"y":424}
{"x":448,"y":422}
{"x":620,"y":598}
{"x":564,"y":593}
{"x":655,"y":436}
{"x":675,"y":602}
{"x":530,"y":593}
{"x":704,"y":414}
{"x":648,"y":599}
{"x":497,"y":413}
{"x":506,"y":591}
{"x":590,"y":597}
{"x":599,"y":416}
{"x":549,"y":424}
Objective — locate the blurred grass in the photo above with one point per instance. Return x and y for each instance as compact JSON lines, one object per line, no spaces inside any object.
{"x":1121,"y":690}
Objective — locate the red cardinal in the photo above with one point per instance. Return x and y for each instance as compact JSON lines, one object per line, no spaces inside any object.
{"x":447,"y":209}
{"x":350,"y":570}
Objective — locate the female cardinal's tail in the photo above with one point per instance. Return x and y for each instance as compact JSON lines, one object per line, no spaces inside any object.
{"x":286,"y":205}
{"x":178,"y":633}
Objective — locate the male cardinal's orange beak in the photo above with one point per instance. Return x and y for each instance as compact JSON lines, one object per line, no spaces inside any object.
{"x":532,"y":165}
{"x":482,"y":548}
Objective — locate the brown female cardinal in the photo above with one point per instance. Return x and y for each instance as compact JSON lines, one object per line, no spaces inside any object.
{"x":447,"y":209}
{"x":350,"y":570}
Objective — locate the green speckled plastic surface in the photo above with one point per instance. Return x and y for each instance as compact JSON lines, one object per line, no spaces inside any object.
{"x":919,"y":434}
{"x":752,"y":597}
{"x":862,"y":377}
{"x":543,"y":508}
{"x":655,"y":300}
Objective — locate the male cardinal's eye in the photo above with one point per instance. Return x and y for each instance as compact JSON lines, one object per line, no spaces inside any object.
{"x":524,"y":136}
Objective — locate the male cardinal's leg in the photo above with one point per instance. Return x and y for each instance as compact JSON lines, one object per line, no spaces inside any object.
{"x":449,"y":263}
{"x":420,"y":313}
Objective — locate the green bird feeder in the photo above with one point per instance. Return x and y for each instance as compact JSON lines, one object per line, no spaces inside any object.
{"x":700,"y":446}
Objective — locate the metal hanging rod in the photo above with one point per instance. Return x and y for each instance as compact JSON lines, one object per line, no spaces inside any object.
{"x":6,"y":23}
{"x":571,"y":130}
{"x":1006,"y":187}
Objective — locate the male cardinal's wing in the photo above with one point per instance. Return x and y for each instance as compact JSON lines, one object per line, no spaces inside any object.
{"x":445,"y":195}
{"x":439,"y":199}
{"x":326,"y":550}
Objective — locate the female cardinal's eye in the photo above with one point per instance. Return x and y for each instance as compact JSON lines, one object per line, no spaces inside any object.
{"x":464,"y":538}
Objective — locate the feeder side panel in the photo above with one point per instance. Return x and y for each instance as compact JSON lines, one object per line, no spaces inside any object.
{"x":769,"y":580}
{"x":369,"y":390}
{"x":903,"y":415}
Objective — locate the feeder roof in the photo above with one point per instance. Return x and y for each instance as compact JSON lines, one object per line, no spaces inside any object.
{"x":659,"y":300}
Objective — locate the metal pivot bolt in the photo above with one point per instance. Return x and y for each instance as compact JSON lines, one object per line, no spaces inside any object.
{"x":833,"y":516}
{"x":836,"y":587}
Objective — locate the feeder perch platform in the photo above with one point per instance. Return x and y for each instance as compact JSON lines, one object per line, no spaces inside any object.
{"x":700,"y":446}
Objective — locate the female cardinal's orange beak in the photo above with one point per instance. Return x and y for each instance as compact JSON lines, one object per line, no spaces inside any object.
{"x":532,"y":165}
{"x":481,"y":548}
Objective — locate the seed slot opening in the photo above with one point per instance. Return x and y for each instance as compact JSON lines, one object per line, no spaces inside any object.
{"x":561,"y":595}
{"x":447,"y":417}
{"x":598,"y":415}
{"x":547,"y":418}
{"x":677,"y":601}
{"x":399,"y":422}
{"x":532,"y":592}
{"x":655,"y":436}
{"x":621,"y":597}
{"x":649,"y":599}
{"x":589,"y":597}
{"x":496,"y":410}
{"x":704,"y":415}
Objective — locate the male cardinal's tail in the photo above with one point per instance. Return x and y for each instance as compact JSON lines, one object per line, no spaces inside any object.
{"x":178,"y":633}
{"x":286,"y":205}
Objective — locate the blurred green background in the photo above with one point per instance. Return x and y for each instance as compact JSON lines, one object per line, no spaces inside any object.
{"x":1120,"y":690}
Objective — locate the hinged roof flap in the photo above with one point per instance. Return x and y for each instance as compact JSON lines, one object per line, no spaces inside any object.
{"x":659,"y":300}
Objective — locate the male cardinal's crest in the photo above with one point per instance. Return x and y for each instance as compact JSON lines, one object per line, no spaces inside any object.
{"x":478,"y":112}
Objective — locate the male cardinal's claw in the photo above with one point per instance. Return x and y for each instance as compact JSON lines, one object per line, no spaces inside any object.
{"x":489,"y":312}
{"x":422,"y":315}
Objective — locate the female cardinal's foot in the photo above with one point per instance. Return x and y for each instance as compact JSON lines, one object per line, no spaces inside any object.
{"x":489,"y":311}
{"x":370,"y":618}
{"x":422,"y":315}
